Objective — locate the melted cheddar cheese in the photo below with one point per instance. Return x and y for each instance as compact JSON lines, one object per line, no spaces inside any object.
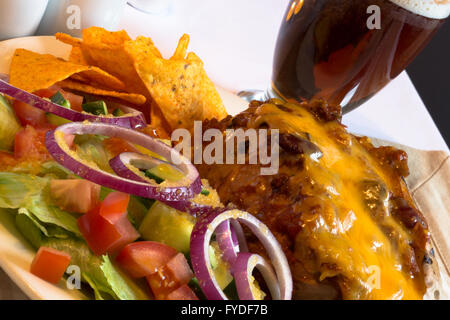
{"x":363,"y":247}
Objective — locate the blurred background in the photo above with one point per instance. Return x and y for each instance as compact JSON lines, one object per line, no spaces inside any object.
{"x":430,"y":73}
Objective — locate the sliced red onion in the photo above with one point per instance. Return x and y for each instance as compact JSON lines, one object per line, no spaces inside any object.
{"x":132,"y":120}
{"x":201,"y":237}
{"x":243,"y":269}
{"x":122,"y":164}
{"x":174,"y":191}
{"x":231,"y":240}
{"x":189,"y":206}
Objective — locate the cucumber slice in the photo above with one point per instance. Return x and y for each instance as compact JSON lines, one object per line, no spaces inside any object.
{"x":56,"y":120}
{"x":220,"y":268}
{"x":59,"y":99}
{"x":9,"y":125}
{"x":150,"y":175}
{"x":167,"y":225}
{"x":95,"y":107}
{"x":164,"y":172}
{"x":117,"y":112}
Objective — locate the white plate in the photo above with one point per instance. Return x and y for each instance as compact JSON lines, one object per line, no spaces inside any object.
{"x":15,"y":253}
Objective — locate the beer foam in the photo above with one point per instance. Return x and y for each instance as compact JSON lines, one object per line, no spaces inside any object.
{"x":434,"y":9}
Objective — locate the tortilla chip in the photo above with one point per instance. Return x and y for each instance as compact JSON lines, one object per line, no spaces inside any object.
{"x":32,"y":71}
{"x":68,"y":39}
{"x":76,"y":56}
{"x":101,"y":36}
{"x":179,"y":86}
{"x":181,"y":50}
{"x":106,"y":50}
{"x":134,"y":98}
{"x":157,"y":119}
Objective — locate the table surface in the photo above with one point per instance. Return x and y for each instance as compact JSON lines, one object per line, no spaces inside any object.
{"x":236,"y":39}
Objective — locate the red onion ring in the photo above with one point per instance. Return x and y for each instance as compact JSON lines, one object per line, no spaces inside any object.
{"x":201,"y":237}
{"x":231,"y":240}
{"x":57,"y":147}
{"x":132,"y":120}
{"x":121,"y":165}
{"x":243,"y":269}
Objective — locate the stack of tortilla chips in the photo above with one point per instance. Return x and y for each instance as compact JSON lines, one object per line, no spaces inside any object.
{"x":171,"y":92}
{"x":177,"y":90}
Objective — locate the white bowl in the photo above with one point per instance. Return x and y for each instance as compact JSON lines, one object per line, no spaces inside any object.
{"x":20,"y":18}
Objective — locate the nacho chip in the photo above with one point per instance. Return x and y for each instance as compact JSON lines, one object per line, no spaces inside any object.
{"x":101,"y":36}
{"x":105,"y":50}
{"x":68,"y":39}
{"x":179,"y":86}
{"x":181,"y":50}
{"x":157,"y":119}
{"x":76,"y":56}
{"x":32,"y":71}
{"x":134,"y":98}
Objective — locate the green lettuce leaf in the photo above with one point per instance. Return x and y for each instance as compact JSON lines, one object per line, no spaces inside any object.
{"x":124,"y":288}
{"x":90,"y":149}
{"x":52,"y":169}
{"x":32,"y":193}
{"x":16,"y":189}
{"x":43,"y":209}
{"x":29,"y":229}
{"x":107,"y":281}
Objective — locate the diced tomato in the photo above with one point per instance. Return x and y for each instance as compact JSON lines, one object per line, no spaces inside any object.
{"x":182,"y":293}
{"x":143,"y":258}
{"x":29,"y":115}
{"x":107,"y":231}
{"x":29,"y":143}
{"x":116,"y":146}
{"x":75,"y":100}
{"x":50,"y":264}
{"x":75,"y":195}
{"x":170,"y":277}
{"x":36,"y":117}
{"x":47,"y":93}
{"x":179,"y":269}
{"x":114,"y":206}
{"x":69,"y":138}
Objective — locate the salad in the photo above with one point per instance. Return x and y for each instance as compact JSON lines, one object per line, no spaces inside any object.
{"x":92,"y":185}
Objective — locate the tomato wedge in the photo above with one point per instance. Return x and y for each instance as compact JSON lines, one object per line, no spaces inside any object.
{"x":50,"y":264}
{"x":75,"y":195}
{"x":114,"y":206}
{"x":29,"y":143}
{"x":116,"y":146}
{"x":29,"y":115}
{"x":75,"y":100}
{"x":182,"y":293}
{"x":144,"y":258}
{"x":106,"y":230}
{"x":170,"y":277}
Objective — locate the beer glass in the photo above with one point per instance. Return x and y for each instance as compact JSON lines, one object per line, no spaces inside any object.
{"x":345,"y":51}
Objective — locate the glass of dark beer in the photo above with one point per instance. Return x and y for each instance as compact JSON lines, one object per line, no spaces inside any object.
{"x":345,"y":51}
